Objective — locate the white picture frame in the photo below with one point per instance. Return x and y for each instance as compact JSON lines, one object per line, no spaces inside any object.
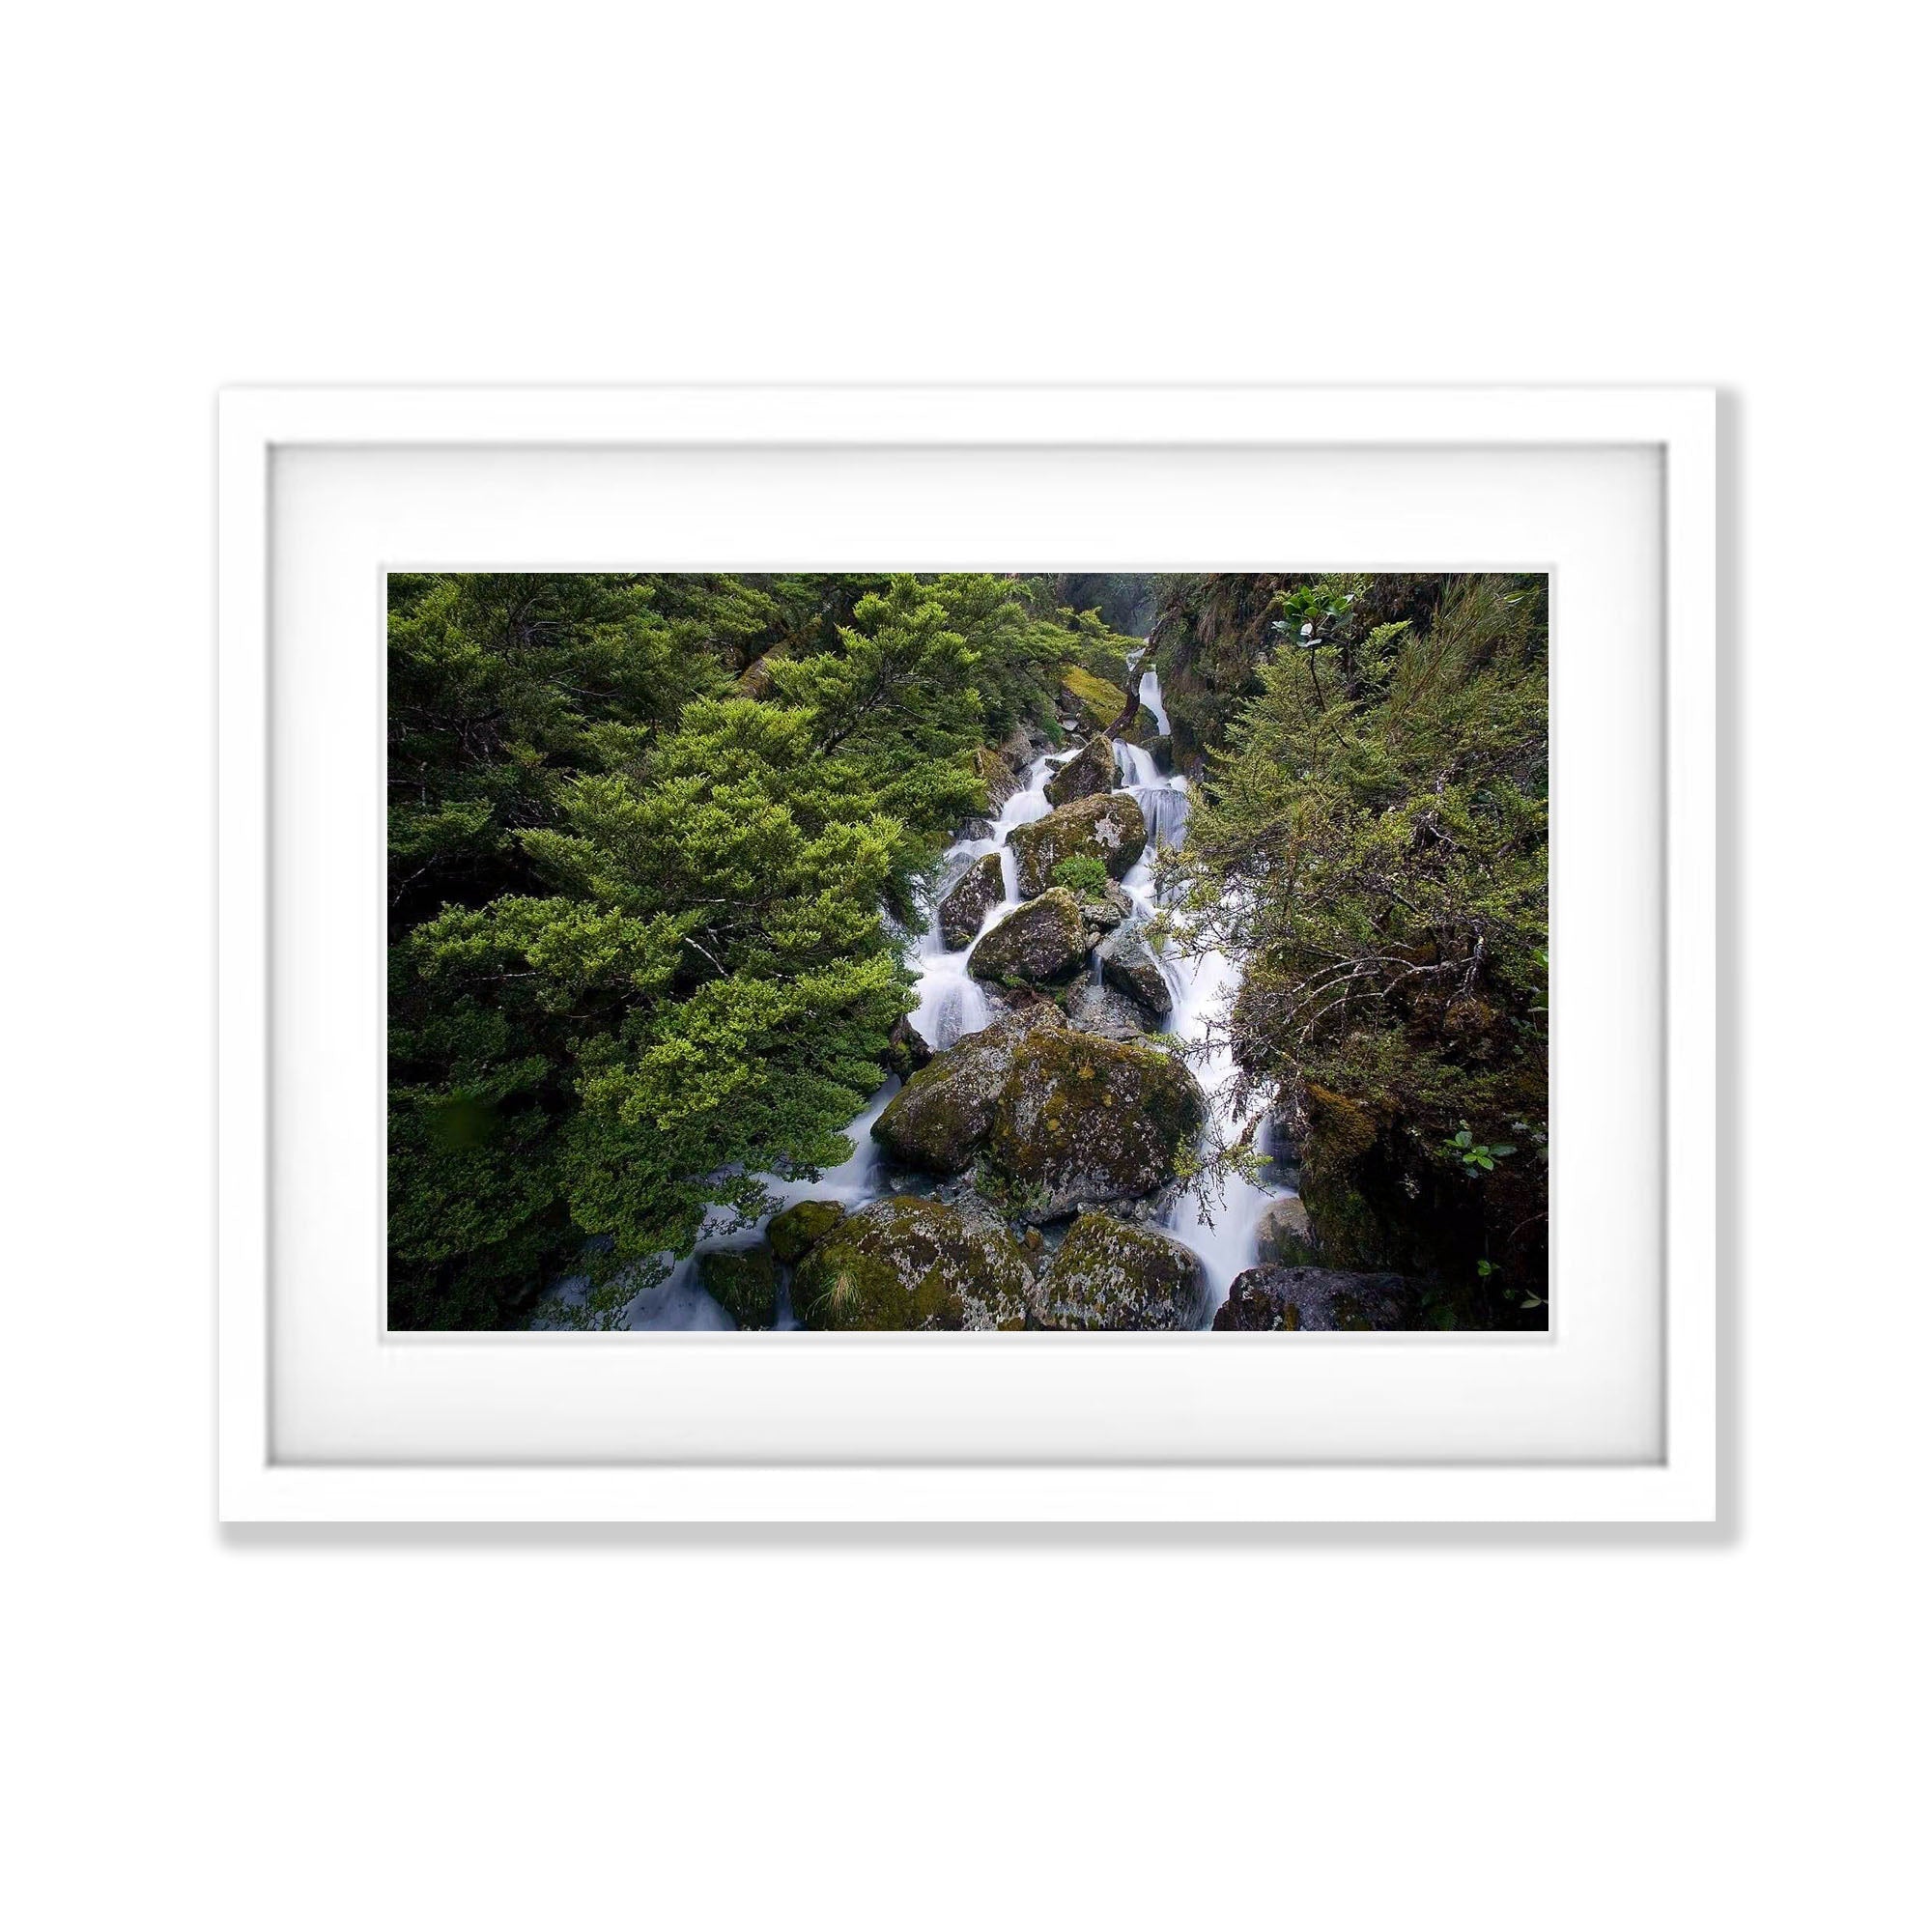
{"x":1673,"y":430}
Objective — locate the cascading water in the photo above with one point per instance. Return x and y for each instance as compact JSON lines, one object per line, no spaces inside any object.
{"x":952,"y":1004}
{"x":1151,"y":697}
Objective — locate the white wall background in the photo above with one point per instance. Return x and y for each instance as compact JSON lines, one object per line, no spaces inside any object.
{"x":589,"y":1729}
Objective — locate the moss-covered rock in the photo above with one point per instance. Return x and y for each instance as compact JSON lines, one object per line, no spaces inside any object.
{"x":744,"y":1282}
{"x":1274,"y":1298}
{"x":980,"y":890}
{"x":909,"y":1263}
{"x":1110,"y":826}
{"x":1038,"y":943}
{"x":1082,"y":1118}
{"x":794,"y":1230}
{"x":1112,"y":1276}
{"x":1089,"y":698}
{"x":1094,"y":769}
{"x":995,"y":775}
{"x":1127,"y":963}
{"x":1283,"y":1236}
{"x":938,"y":1119}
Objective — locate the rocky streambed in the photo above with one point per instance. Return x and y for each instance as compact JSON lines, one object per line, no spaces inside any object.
{"x":1026,"y":1170}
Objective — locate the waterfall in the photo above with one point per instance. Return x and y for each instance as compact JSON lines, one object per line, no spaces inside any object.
{"x":1151,"y":697}
{"x":951,"y":1004}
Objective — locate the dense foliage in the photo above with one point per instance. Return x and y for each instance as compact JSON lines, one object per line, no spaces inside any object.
{"x":657,"y":843}
{"x":1372,"y":850}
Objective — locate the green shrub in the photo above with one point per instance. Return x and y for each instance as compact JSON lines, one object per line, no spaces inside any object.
{"x":1082,"y":874}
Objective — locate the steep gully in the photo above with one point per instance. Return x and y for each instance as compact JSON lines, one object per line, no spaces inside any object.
{"x":951,"y":1004}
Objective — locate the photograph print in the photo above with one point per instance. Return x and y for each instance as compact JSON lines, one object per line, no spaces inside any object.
{"x":967,"y":950}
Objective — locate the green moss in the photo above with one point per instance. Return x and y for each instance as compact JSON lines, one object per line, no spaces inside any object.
{"x":1085,"y":1118}
{"x":937,"y":1119}
{"x":1041,"y":943}
{"x":909,"y":1263}
{"x":1109,"y":827}
{"x":1100,"y":701}
{"x":1108,"y":1275}
{"x":744,"y":1282}
{"x":800,"y":1226}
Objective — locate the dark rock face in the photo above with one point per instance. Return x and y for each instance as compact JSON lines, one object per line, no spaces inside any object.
{"x":1275,"y":1297}
{"x":907,"y":1049}
{"x":980,"y":888}
{"x":937,"y":1119}
{"x":744,"y":1282}
{"x":909,"y":1263}
{"x":1110,"y":827}
{"x":1127,"y":963}
{"x":792,"y":1232}
{"x":1095,"y":770}
{"x":1022,"y":746}
{"x":1160,"y":749}
{"x":1283,"y":1236}
{"x":995,"y":775}
{"x":1108,"y":1275}
{"x":1041,"y":943}
{"x":1106,"y":1011}
{"x":1082,"y":1118}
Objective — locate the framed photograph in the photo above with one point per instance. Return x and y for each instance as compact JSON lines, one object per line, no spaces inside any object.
{"x":968,"y":954}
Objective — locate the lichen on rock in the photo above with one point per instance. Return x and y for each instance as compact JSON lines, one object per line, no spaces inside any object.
{"x":980,"y":889}
{"x":1094,"y":769}
{"x":1127,"y":963}
{"x":1110,"y":826}
{"x":1038,"y":943}
{"x":909,"y":1263}
{"x":1082,"y":1118}
{"x":1094,"y":1007}
{"x":1108,"y":1275}
{"x":937,"y":1119}
{"x":1273,"y":1299}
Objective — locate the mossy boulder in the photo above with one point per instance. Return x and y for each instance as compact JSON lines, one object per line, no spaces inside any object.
{"x":995,"y":775}
{"x":1088,"y":698}
{"x":1109,"y":1275}
{"x":744,"y":1282}
{"x":938,"y":1119}
{"x":1283,"y":1235}
{"x":804,"y":1222}
{"x":909,"y":1263}
{"x":980,"y":888}
{"x":1127,"y":963}
{"x":1273,"y":1299}
{"x":1038,"y":943}
{"x":1110,"y":826}
{"x":1095,"y":769}
{"x":1082,"y":1119}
